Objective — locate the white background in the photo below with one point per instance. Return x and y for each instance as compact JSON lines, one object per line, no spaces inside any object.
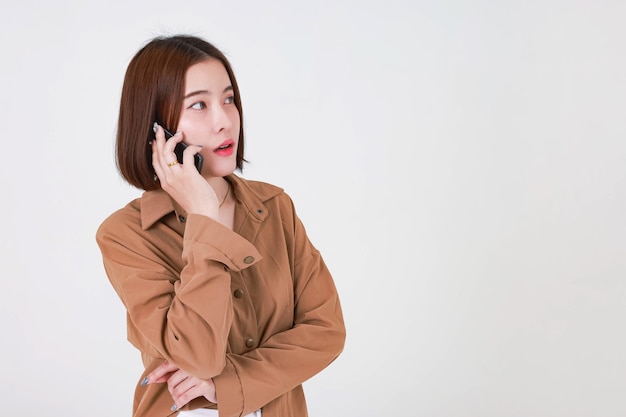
{"x":461,"y":165}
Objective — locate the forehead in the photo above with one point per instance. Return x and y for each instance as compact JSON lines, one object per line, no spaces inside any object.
{"x":206,"y":75}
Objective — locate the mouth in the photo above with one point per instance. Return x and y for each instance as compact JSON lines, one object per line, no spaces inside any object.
{"x":226,"y":148}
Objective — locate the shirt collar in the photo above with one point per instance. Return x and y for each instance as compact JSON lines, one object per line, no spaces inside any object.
{"x":157,"y":204}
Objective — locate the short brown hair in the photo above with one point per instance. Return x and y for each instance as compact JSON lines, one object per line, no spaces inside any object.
{"x":153,"y":91}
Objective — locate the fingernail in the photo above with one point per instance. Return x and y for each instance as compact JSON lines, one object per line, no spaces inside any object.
{"x":174,"y":407}
{"x":178,"y":133}
{"x":145,"y":382}
{"x":155,"y":127}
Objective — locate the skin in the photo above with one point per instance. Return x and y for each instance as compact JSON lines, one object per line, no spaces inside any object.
{"x":208,"y":120}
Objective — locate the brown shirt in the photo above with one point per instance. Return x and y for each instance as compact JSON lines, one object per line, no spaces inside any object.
{"x":255,"y":309}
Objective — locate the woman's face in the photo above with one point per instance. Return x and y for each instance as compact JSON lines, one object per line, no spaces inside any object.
{"x":209,"y":117}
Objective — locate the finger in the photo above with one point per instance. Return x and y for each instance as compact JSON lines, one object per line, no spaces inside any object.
{"x":164,"y":159}
{"x":171,"y":143}
{"x":178,"y":383}
{"x":157,"y":164}
{"x":175,"y":380}
{"x":165,"y":147}
{"x":161,"y":373}
{"x":187,"y":390}
{"x":188,"y":155}
{"x":159,"y":135}
{"x":157,"y":147}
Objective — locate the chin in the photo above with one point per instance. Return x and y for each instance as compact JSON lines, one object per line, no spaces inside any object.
{"x":218,"y":171}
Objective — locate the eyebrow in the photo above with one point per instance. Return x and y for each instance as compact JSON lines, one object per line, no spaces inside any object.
{"x":195,"y":93}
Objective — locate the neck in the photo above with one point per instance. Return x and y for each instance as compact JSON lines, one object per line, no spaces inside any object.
{"x":221,"y":188}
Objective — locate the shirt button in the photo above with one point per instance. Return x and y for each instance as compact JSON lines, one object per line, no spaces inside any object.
{"x":182,"y":218}
{"x":248,"y":260}
{"x":238,"y":293}
{"x":250,"y":342}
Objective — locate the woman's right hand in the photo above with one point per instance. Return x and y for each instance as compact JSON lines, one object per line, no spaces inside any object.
{"x":182,"y":181}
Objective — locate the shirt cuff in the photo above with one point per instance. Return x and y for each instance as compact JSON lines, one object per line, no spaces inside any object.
{"x":226,"y":246}
{"x":229,"y":384}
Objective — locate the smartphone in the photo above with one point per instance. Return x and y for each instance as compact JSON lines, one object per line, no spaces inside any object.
{"x":198,"y":160}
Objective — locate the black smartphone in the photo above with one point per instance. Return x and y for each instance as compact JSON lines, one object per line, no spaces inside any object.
{"x":180,"y":147}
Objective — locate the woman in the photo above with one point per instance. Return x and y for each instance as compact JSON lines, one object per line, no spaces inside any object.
{"x":228,"y":301}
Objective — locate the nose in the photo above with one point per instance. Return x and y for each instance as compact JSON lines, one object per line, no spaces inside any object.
{"x":221,"y":119}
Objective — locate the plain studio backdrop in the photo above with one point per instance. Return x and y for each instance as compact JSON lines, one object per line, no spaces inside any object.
{"x":461,"y":165}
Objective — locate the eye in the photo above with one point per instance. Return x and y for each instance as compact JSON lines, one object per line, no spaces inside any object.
{"x":198,"y":106}
{"x":229,"y":100}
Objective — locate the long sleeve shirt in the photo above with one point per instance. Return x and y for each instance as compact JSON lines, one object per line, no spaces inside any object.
{"x":254,"y":308}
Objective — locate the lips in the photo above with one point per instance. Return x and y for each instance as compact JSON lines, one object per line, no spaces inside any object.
{"x":226,"y":148}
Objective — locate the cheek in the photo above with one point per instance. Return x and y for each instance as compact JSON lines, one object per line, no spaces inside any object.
{"x":234,"y":117}
{"x":183,"y":126}
{"x":190,"y":131}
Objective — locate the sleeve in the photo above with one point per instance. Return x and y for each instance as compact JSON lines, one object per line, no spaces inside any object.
{"x":289,"y":358}
{"x":172,"y":313}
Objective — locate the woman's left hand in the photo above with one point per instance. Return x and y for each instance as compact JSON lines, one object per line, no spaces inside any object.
{"x":182,"y":386}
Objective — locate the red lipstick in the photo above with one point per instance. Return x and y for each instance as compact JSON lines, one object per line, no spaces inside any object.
{"x":226,"y":148}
